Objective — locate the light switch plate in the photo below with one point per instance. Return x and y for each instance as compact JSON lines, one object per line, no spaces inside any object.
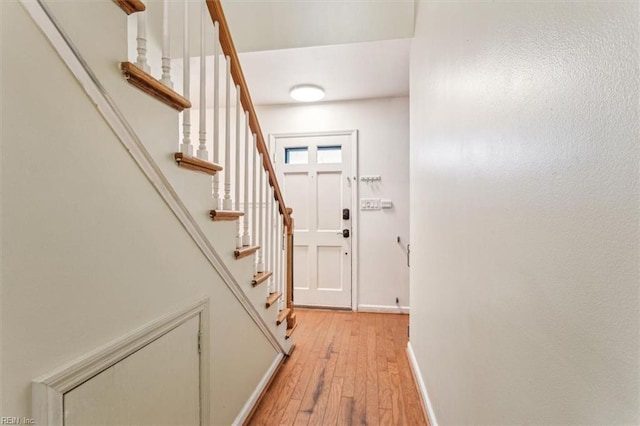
{"x":386,"y":204}
{"x":369,"y":203}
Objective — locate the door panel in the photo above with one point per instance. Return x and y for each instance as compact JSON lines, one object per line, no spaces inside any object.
{"x":297,"y":185}
{"x":316,"y":171}
{"x":329,"y":277}
{"x":330,"y":205}
{"x":301,"y":269}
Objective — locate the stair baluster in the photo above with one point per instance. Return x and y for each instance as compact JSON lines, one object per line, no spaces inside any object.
{"x":202,"y":148}
{"x":254,"y":194}
{"x":217,"y":204}
{"x":280,"y":269}
{"x":186,"y":148}
{"x":237,"y":165}
{"x":274,"y":243}
{"x":226,"y":202}
{"x":246,"y":238}
{"x":141,"y":42}
{"x":267,"y":246}
{"x":166,"y":46}
{"x":261,"y":189}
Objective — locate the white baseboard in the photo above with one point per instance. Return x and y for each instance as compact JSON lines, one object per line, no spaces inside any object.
{"x":387,"y":309}
{"x":421,"y":385}
{"x":253,"y":399}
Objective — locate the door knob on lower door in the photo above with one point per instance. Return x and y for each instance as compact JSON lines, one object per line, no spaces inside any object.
{"x":345,"y":233}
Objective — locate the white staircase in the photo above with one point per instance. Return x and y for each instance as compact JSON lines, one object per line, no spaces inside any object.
{"x":150,"y":130}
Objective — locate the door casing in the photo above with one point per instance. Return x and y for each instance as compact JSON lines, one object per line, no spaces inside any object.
{"x":355,"y":213}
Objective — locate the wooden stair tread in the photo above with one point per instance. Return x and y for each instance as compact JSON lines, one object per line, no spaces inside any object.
{"x":130,"y":6}
{"x":153,"y":87}
{"x":290,"y":331}
{"x":196,"y":164}
{"x":245,"y":251}
{"x":291,"y":349}
{"x":224,"y":215}
{"x":282,"y":315}
{"x":271,"y":299}
{"x":291,"y":320}
{"x":260,"y":277}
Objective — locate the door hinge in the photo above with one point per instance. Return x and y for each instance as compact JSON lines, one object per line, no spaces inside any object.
{"x":199,"y":342}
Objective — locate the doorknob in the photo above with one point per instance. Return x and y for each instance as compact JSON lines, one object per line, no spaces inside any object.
{"x":345,"y":233}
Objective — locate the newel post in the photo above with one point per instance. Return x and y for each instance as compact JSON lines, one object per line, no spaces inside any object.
{"x":291,"y":318}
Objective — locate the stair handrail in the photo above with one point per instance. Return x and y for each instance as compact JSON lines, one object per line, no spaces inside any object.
{"x":226,"y":42}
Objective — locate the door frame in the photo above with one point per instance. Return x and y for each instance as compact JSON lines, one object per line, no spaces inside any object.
{"x":355,"y":213}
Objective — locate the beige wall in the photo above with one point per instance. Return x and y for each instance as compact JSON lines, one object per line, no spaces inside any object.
{"x":524,"y":211}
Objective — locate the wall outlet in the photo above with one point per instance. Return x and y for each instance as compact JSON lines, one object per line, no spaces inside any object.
{"x":370,"y":204}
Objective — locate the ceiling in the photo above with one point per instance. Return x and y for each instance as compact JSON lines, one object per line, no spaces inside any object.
{"x":346,"y":71}
{"x":354,"y":49}
{"x":283,"y":24}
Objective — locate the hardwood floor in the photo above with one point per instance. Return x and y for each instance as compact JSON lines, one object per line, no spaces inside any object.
{"x":347,"y":369}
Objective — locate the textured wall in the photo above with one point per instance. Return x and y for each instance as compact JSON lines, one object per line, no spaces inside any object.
{"x":524,"y":211}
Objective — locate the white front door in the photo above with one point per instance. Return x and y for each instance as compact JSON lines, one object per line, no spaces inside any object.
{"x":316,"y":178}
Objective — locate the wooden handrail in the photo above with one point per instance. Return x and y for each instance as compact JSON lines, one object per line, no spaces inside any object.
{"x":217,"y":15}
{"x":228,"y":48}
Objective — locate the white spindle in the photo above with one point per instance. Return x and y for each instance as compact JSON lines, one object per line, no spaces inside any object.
{"x":202,"y":148}
{"x":226,"y":202}
{"x":216,"y":113}
{"x":246,"y":239}
{"x":279,"y":262}
{"x":254,"y":216}
{"x":166,"y":46}
{"x":141,"y":39}
{"x":237,"y":155}
{"x":186,"y":148}
{"x":267,"y":234}
{"x":274,"y":239}
{"x":261,"y":189}
{"x":269,"y":237}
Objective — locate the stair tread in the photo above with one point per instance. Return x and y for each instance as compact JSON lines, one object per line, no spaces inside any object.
{"x":225,"y":215}
{"x":272,"y":298}
{"x":245,"y":251}
{"x":196,"y":164}
{"x":261,"y":277}
{"x":282,"y":315}
{"x":130,"y":6}
{"x":153,"y":87}
{"x":290,"y":331}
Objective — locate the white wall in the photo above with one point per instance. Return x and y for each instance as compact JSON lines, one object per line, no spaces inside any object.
{"x":383,"y":129}
{"x":90,"y":250}
{"x":524,"y":211}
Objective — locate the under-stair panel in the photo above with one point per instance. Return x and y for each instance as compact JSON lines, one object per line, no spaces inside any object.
{"x":159,"y":384}
{"x":157,"y":127}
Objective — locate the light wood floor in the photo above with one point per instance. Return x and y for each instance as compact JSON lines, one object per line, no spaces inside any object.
{"x":347,"y":369}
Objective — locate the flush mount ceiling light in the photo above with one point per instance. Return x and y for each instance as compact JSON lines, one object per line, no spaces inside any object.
{"x":307,"y":93}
